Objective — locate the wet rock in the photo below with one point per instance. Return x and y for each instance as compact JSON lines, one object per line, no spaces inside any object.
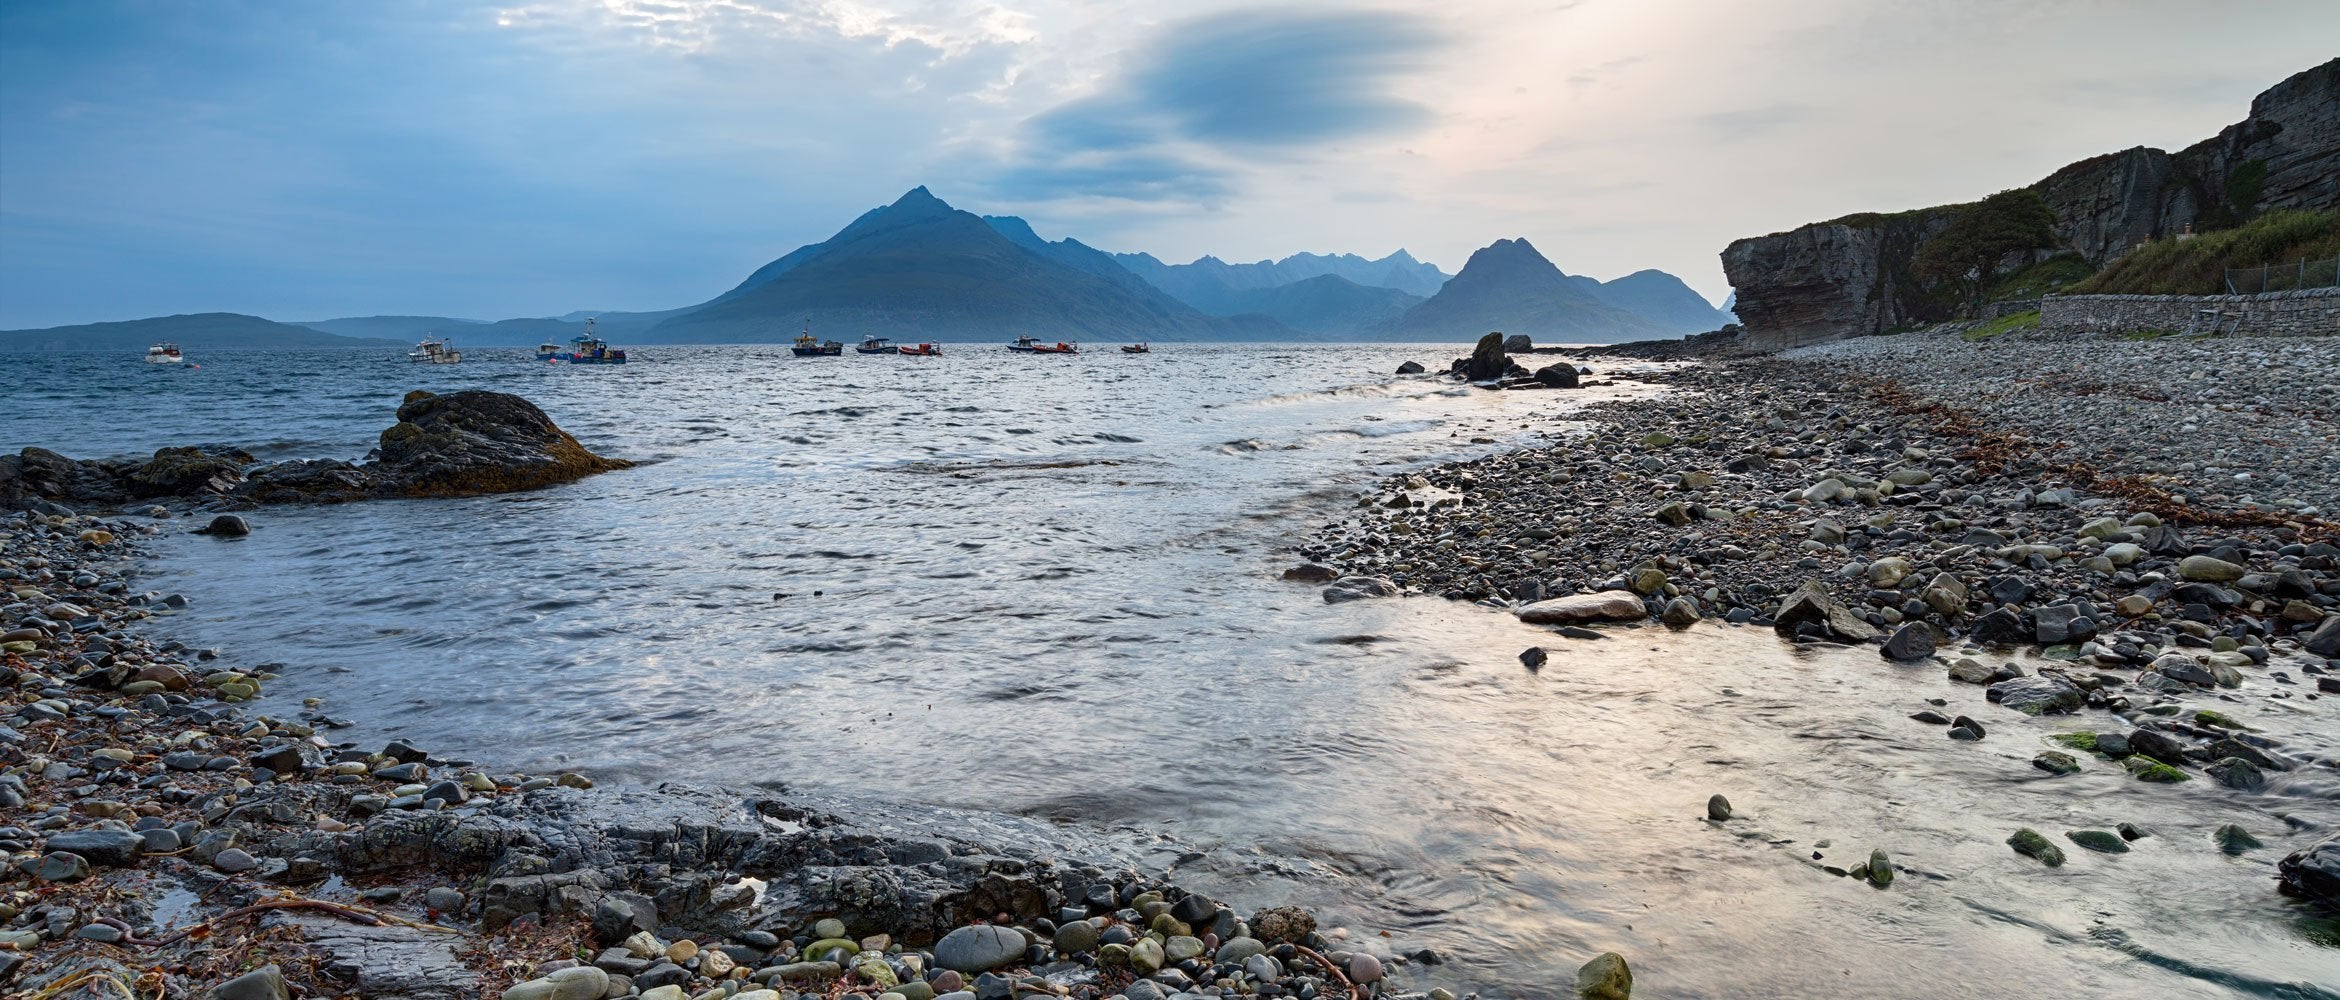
{"x":2233,"y":839}
{"x":2037,"y":695}
{"x":2056,"y":762}
{"x":56,"y":866}
{"x":1912,"y":641}
{"x":2313,"y":872}
{"x":1364,"y":969}
{"x":2235,"y":772}
{"x":2100,"y":841}
{"x":1411,"y":368}
{"x":1311,"y":573}
{"x":1561,"y":376}
{"x":1357,"y":588}
{"x":2209,"y":570}
{"x":1880,"y":868}
{"x":1606,"y":977}
{"x":1533,"y":657}
{"x":477,"y":442}
{"x":1718,"y":808}
{"x":1576,"y":609}
{"x":2029,"y":843}
{"x":226,"y":526}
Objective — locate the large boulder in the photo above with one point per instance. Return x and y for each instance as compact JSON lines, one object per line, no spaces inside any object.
{"x":2313,"y":872}
{"x":477,"y":442}
{"x":1577,"y":609}
{"x":1560,"y":376}
{"x":181,"y":472}
{"x":1519,"y":342}
{"x":1487,"y":361}
{"x":2325,"y":640}
{"x":1811,"y":604}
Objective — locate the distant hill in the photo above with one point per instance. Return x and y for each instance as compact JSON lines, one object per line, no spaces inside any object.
{"x":1327,"y":305}
{"x":1661,"y":299}
{"x":1511,"y":288}
{"x":465,"y":332}
{"x":1213,"y":285}
{"x":193,"y":332}
{"x":919,"y":269}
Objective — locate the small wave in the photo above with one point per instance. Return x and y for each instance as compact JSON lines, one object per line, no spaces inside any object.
{"x":1119,"y":439}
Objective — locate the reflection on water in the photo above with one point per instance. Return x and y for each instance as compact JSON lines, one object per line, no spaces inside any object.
{"x":1048,"y":586}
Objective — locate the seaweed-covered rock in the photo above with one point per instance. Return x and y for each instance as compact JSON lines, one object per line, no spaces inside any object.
{"x":477,"y":442}
{"x":179,"y":472}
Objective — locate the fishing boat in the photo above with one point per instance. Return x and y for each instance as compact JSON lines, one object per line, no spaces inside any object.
{"x":1060,"y":347}
{"x":1025,"y":344}
{"x":165,"y":353}
{"x":923,"y":350}
{"x":1137,"y":348}
{"x":876,"y":345}
{"x":548,"y":351}
{"x":808,"y":347}
{"x":440,"y":351}
{"x":587,"y":349}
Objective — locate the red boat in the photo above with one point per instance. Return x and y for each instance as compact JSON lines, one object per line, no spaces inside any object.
{"x":1060,"y":347}
{"x":922,"y":350}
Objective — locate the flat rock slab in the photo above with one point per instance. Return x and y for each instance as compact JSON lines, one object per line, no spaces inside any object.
{"x":1576,"y":609}
{"x":390,"y":961}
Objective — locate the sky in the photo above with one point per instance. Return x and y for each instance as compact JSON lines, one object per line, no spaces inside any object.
{"x":302,"y":160}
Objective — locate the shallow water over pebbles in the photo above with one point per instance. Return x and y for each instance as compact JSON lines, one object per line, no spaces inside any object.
{"x":1047,"y":586}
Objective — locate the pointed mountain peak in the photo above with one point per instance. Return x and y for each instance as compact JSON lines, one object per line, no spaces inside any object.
{"x":1400,"y":257}
{"x":917,"y":196}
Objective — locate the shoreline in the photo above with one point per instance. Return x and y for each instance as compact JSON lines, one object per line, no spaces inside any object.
{"x":514,"y":853}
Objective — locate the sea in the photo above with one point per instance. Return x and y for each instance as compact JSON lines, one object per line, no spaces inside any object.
{"x":1050,"y":586}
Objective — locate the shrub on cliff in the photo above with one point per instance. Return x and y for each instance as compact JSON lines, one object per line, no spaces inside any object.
{"x":2198,"y":266}
{"x":1967,"y":252}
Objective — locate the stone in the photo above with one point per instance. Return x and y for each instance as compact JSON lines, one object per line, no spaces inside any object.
{"x":476,"y":442}
{"x":1945,"y":595}
{"x":2100,"y":841}
{"x":1235,"y":950}
{"x":1560,"y":376}
{"x":2233,"y":839}
{"x":1718,"y":808}
{"x":1674,"y":513}
{"x":1411,"y":368}
{"x":1680,"y":612}
{"x":1357,"y":588}
{"x":101,"y":847}
{"x":56,"y":866}
{"x":579,"y":982}
{"x":2056,"y":762}
{"x":1811,"y":604}
{"x":1534,"y":657}
{"x":1076,"y":937}
{"x":1887,"y":573}
{"x":2313,"y":872}
{"x":263,"y":983}
{"x":2324,"y":640}
{"x":233,"y":860}
{"x":1364,"y":969}
{"x":2208,"y":570}
{"x":1280,"y":924}
{"x":1912,"y":641}
{"x":2029,"y":843}
{"x":1576,"y":609}
{"x":1880,"y":869}
{"x":2235,"y":772}
{"x":1970,"y":671}
{"x":227,"y":526}
{"x":1312,"y":573}
{"x":2001,"y":626}
{"x":1606,"y":977}
{"x":2038,"y":694}
{"x":2061,"y":623}
{"x":980,"y":948}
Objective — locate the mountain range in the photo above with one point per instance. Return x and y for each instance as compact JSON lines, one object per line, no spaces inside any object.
{"x":919,"y":269}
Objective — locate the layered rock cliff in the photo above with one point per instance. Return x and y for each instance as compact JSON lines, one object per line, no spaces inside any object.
{"x":1852,"y":276}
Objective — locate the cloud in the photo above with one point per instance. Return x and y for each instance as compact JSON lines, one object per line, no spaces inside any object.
{"x":1206,"y":93}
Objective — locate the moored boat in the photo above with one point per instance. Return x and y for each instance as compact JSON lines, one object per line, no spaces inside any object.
{"x":922,"y":350}
{"x":440,"y":351}
{"x":1060,"y":347}
{"x":809,"y":347}
{"x":1138,"y":348}
{"x":587,"y":349}
{"x":1025,"y":344}
{"x":548,"y":351}
{"x":165,"y":353}
{"x":876,"y":345}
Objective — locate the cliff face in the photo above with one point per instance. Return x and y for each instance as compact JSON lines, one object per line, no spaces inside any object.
{"x":1851,"y":276}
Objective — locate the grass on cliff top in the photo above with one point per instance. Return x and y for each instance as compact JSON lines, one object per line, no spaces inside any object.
{"x":2050,"y":275}
{"x":2004,"y":324}
{"x":2198,"y":266}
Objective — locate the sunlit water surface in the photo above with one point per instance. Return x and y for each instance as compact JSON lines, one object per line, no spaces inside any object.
{"x":1049,"y":586}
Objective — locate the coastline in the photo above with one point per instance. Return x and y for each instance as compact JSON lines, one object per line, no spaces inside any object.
{"x":520,"y":852}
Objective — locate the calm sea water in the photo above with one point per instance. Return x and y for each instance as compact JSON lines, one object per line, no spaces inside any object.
{"x":1048,"y":586}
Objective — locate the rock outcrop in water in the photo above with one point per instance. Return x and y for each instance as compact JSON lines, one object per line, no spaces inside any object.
{"x":1851,"y":276}
{"x":463,"y":444}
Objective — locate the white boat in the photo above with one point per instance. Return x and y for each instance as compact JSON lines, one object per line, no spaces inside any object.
{"x":165,"y":353}
{"x":548,"y":351}
{"x":440,"y":351}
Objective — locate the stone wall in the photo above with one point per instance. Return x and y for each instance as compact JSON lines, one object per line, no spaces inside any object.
{"x":2310,"y":312}
{"x":2007,"y":307}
